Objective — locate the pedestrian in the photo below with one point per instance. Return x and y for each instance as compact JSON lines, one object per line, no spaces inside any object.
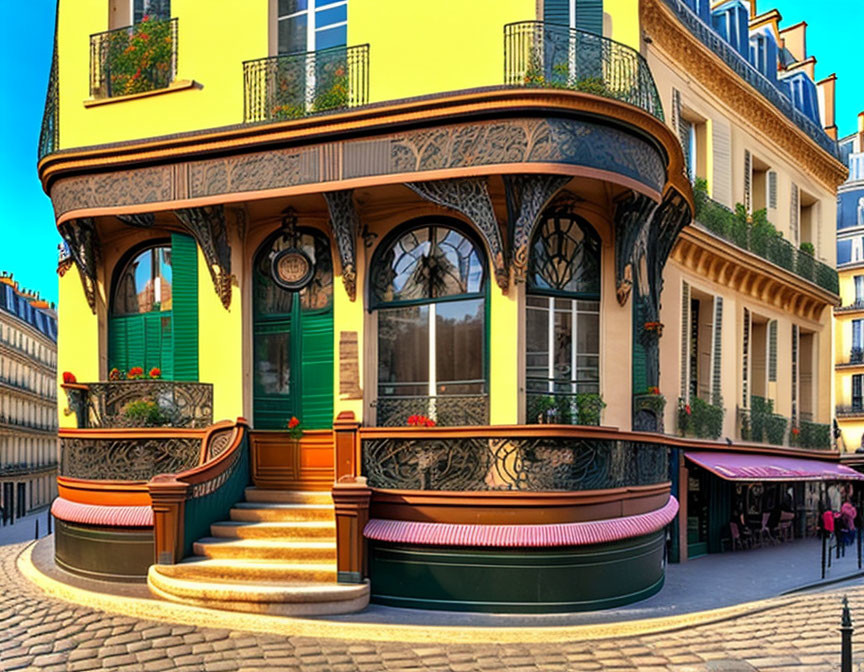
{"x":848,"y":513}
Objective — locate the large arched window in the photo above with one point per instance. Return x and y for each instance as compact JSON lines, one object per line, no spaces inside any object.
{"x":428,"y":289}
{"x":153,"y":320}
{"x":562,"y":359}
{"x":293,"y":335}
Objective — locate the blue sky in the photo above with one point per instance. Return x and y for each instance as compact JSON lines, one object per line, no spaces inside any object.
{"x":28,"y":238}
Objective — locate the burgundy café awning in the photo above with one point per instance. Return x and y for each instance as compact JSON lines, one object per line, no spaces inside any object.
{"x":754,"y":467}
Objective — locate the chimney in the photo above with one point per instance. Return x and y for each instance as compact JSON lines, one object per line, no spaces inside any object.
{"x":795,"y":40}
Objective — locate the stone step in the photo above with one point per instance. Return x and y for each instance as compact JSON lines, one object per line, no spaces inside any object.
{"x":318,"y":530}
{"x":278,"y":598}
{"x":289,"y":496}
{"x":267,"y":549}
{"x":264,"y":512}
{"x":199,"y":568}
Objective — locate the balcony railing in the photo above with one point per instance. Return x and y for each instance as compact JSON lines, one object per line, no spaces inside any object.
{"x":135,"y":59}
{"x":856,"y":305}
{"x":528,"y":458}
{"x":763,"y":241}
{"x":445,"y":410}
{"x":746,"y":71}
{"x":27,"y":468}
{"x":141,"y":403}
{"x":760,"y":424}
{"x":49,"y":134}
{"x":562,"y":408}
{"x":853,"y":411}
{"x":548,"y":55}
{"x":296,"y":85}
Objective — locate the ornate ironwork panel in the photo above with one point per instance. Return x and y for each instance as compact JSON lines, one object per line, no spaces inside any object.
{"x":290,"y":86}
{"x":83,"y":243}
{"x":219,"y":442}
{"x":470,"y":196}
{"x":346,"y":225}
{"x":519,"y":463}
{"x":210,"y":486}
{"x":138,"y":459}
{"x":208,"y":227}
{"x":549,"y":55}
{"x":145,"y":403}
{"x":632,"y":214}
{"x":449,"y":411}
{"x":49,"y":135}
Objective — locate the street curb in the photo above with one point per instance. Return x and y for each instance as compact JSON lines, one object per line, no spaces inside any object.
{"x":158,"y":610}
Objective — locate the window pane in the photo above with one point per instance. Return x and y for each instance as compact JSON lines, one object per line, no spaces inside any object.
{"x":563,"y":344}
{"x":152,"y":9}
{"x":459,"y":356}
{"x":331,"y":37}
{"x":322,"y":3}
{"x":403,"y":351}
{"x":292,"y":34}
{"x":588,"y":329}
{"x":326,"y":17}
{"x":144,"y":286}
{"x":565,"y":256}
{"x":273,"y":363}
{"x":287,"y":7}
{"x":318,"y":294}
{"x":460,"y":270}
{"x":537,"y":341}
{"x":163,"y":280}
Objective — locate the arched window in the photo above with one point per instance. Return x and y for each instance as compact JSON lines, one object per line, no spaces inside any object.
{"x":293,"y":334}
{"x":428,"y":289}
{"x":153,"y":321}
{"x":562,"y":359}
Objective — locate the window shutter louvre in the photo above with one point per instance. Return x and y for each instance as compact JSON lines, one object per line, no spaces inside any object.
{"x":772,"y":189}
{"x":556,"y":11}
{"x":184,"y":295}
{"x":717,"y":353}
{"x":685,"y":340}
{"x":745,"y":362}
{"x":316,"y":380}
{"x":772,"y":351}
{"x":721,"y":183}
{"x":794,"y":373}
{"x":589,"y":16}
{"x":748,"y":181}
{"x":794,"y":215}
{"x":640,"y":380}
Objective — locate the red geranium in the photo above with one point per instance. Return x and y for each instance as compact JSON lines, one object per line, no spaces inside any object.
{"x":687,"y":409}
{"x":69,"y":377}
{"x":135,"y":373}
{"x":155,"y":372}
{"x":293,"y":422}
{"x":796,"y":431}
{"x":420,"y":421}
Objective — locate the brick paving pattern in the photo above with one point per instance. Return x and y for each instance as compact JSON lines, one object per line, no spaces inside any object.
{"x":42,"y":633}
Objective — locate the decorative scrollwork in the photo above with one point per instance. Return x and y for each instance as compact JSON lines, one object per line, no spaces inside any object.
{"x":179,"y":404}
{"x":470,"y":196}
{"x":632,"y":214}
{"x":136,"y":459}
{"x":447,"y":411}
{"x":527,"y":197}
{"x":519,"y":463}
{"x":83,"y":242}
{"x":346,"y":223}
{"x":142,"y":220}
{"x":208,"y":227}
{"x":219,"y":442}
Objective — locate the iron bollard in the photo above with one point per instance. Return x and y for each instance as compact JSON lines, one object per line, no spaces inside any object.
{"x":49,"y":528}
{"x":846,"y":631}
{"x":858,"y":539}
{"x":37,"y":529}
{"x":824,"y":543}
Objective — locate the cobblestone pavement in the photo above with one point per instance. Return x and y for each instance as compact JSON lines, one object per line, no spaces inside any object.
{"x":42,"y":633}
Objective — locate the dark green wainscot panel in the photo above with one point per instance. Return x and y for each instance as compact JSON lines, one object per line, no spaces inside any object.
{"x":581,"y":578}
{"x":105,"y":553}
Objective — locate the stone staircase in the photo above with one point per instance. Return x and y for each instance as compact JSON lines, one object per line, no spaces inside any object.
{"x":277,"y":555}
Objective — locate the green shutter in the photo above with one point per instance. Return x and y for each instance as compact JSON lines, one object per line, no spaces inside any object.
{"x":717,"y":353}
{"x":640,"y":376}
{"x":589,"y":16}
{"x":557,"y":11}
{"x":184,"y":296}
{"x":117,"y":344}
{"x":317,"y":370}
{"x":772,"y":351}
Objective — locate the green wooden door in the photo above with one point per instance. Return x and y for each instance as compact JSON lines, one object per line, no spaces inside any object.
{"x":293,"y":342}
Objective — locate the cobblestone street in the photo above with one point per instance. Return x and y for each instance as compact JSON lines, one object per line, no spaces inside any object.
{"x":41,"y":633}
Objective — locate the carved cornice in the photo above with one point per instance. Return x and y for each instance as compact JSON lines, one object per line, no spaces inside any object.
{"x":695,"y":59}
{"x":727,"y":265}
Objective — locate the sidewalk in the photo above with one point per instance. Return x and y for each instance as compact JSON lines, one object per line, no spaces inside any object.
{"x":24,"y":529}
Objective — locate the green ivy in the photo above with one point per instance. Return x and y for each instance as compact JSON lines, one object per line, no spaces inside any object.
{"x":704,"y":420}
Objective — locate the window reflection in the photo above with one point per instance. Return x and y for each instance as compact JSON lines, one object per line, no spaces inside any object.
{"x":145,"y":283}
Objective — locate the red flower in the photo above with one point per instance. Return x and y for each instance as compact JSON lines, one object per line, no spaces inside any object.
{"x":69,"y":377}
{"x":135,"y":373}
{"x":796,"y":431}
{"x":420,"y":421}
{"x":137,"y":74}
{"x":144,"y":36}
{"x":430,"y":422}
{"x":155,"y":372}
{"x":687,"y":409}
{"x":293,"y":422}
{"x":115,"y":374}
{"x":145,"y":18}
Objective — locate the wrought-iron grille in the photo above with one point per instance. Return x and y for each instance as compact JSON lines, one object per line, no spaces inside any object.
{"x":517,"y":463}
{"x":549,"y":55}
{"x":445,"y":410}
{"x":290,"y":86}
{"x":49,"y":135}
{"x":134,"y":59}
{"x":135,"y":459}
{"x":143,"y":403}
{"x":563,"y":408}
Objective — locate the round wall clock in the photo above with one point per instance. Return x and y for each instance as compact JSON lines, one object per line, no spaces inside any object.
{"x":292,"y":269}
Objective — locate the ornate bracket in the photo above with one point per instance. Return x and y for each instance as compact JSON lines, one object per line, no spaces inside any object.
{"x":208,"y":227}
{"x":346,"y":224}
{"x":632,"y":214}
{"x":83,"y":242}
{"x":527,"y":197}
{"x":144,"y":220}
{"x":470,"y":196}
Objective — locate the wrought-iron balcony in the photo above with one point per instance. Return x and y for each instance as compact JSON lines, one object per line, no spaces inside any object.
{"x":763,"y":241}
{"x":538,"y":54}
{"x":856,"y":410}
{"x":445,"y":410}
{"x":26,"y":468}
{"x":141,"y":403}
{"x":855,"y":306}
{"x":856,"y":358}
{"x":561,"y":408}
{"x":760,"y":424}
{"x":134,"y":59}
{"x":291,"y":86}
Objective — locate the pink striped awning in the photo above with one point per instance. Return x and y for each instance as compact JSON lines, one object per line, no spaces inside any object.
{"x":756,"y":467}
{"x":109,"y":516}
{"x":522,"y":536}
